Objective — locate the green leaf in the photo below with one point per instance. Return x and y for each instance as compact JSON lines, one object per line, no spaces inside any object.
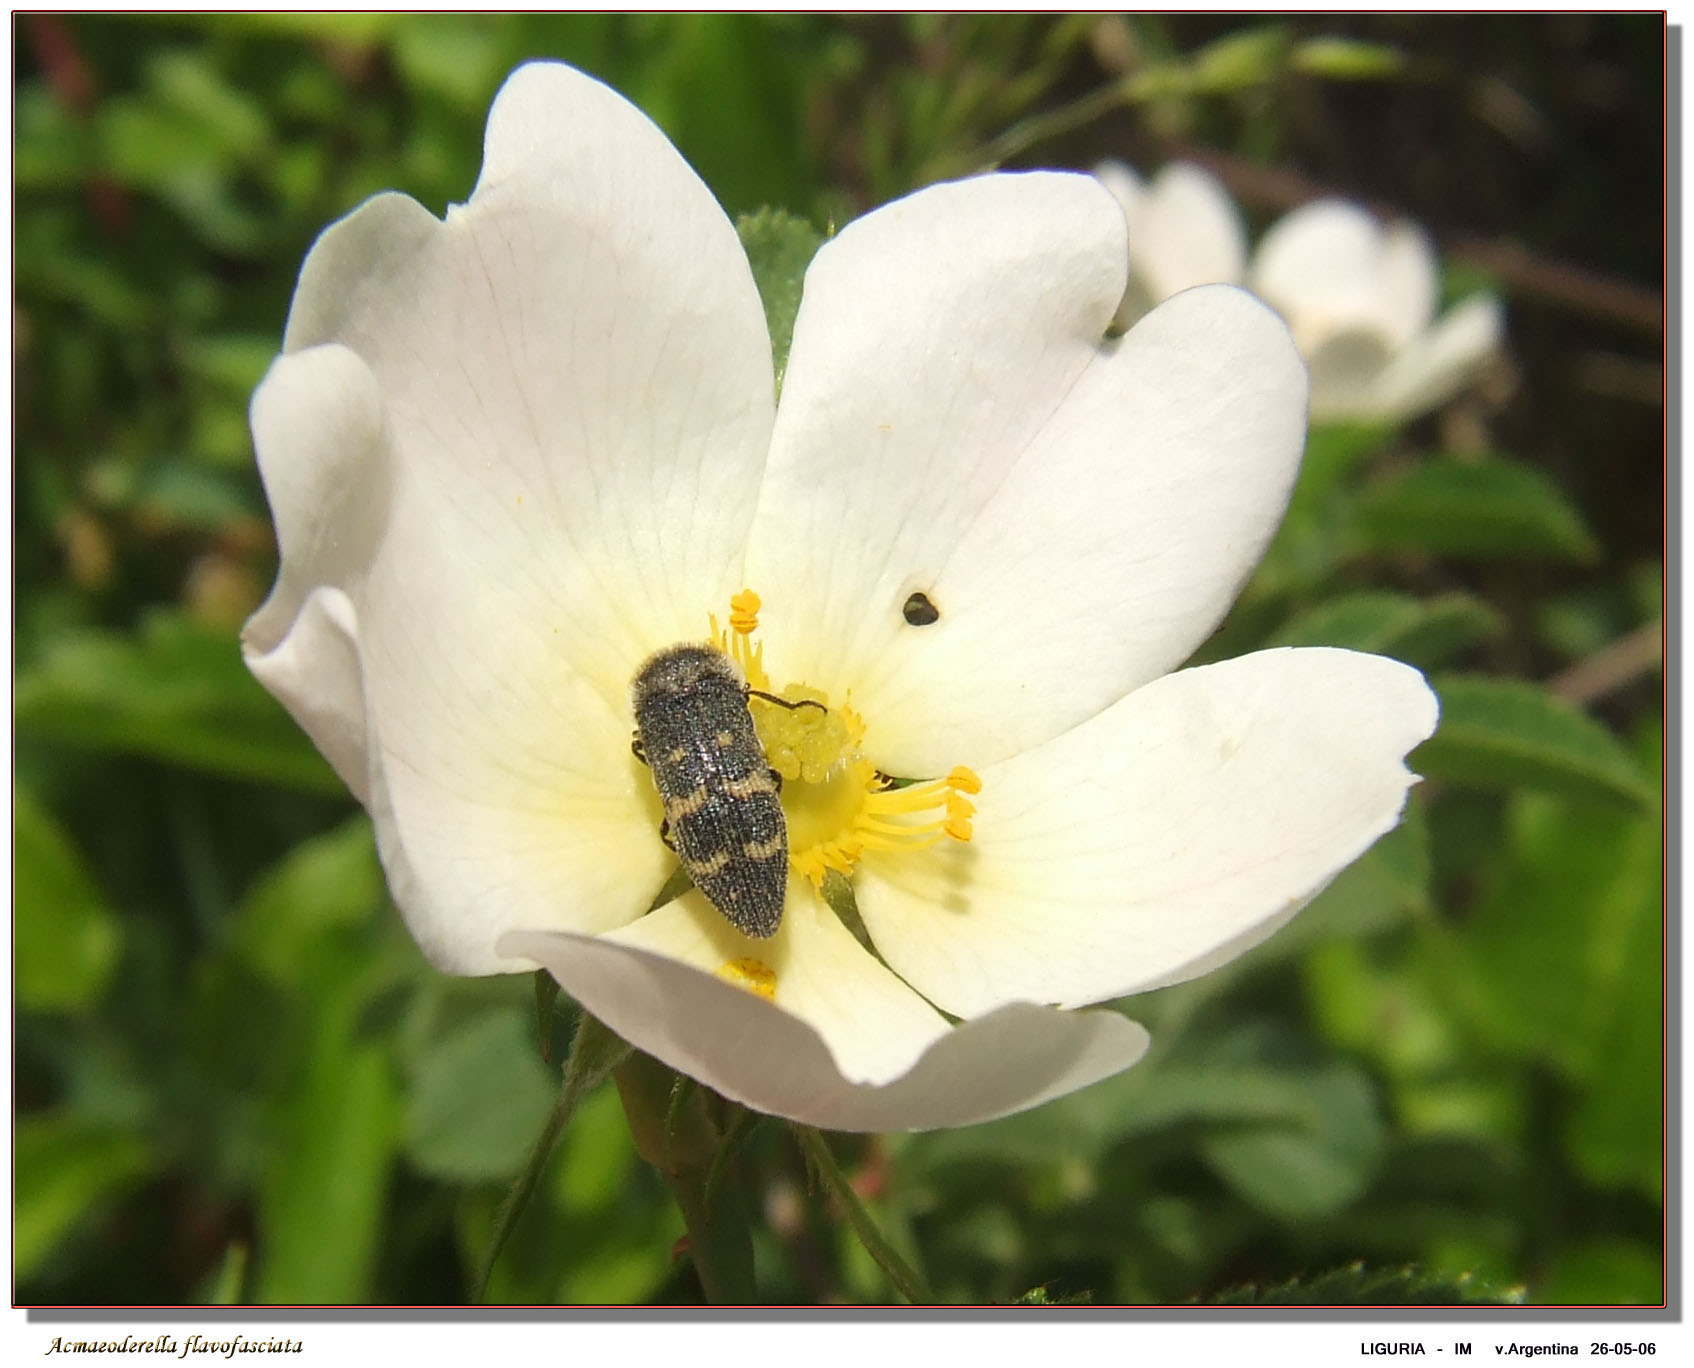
{"x":231,"y":363}
{"x":327,"y":883}
{"x":1238,"y":60}
{"x":66,"y":1171}
{"x":1261,"y":1119}
{"x":1347,"y":59}
{"x":1605,"y":1272}
{"x":177,"y":691}
{"x":1043,"y":1296}
{"x":780,"y":246}
{"x":1615,"y":1134}
{"x":1393,"y":1005}
{"x":1357,"y":1285}
{"x":179,"y":493}
{"x":478,"y":1100}
{"x":195,"y":90}
{"x":1307,"y":545}
{"x":332,"y":29}
{"x":1314,"y":1162}
{"x":1507,"y":733}
{"x":1425,"y":632}
{"x":1562,"y":949}
{"x":65,"y":939}
{"x":1385,"y":1012}
{"x":455,"y":56}
{"x":223,"y":1287}
{"x":1491,"y":507}
{"x":1334,"y":450}
{"x":322,"y":1204}
{"x":595,"y":1162}
{"x":50,"y":144}
{"x":595,"y":1233}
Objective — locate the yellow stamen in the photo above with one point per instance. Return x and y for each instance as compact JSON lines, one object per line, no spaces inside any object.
{"x":838,"y":804}
{"x":744,"y":612}
{"x":757,"y":977}
{"x":964,"y":779}
{"x":737,"y":643}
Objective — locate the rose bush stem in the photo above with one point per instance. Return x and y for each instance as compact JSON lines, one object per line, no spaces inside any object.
{"x":679,"y":1137}
{"x":821,"y":1160}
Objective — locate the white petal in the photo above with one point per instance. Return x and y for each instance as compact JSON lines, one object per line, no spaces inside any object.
{"x":875,"y":1026}
{"x":313,"y":670}
{"x":1411,"y":282}
{"x":1129,"y":852}
{"x":769,"y":1059}
{"x":1322,"y":266}
{"x":1346,"y":370}
{"x":1191,"y":233}
{"x":501,"y":785}
{"x":1441,"y":362}
{"x":1081,"y":514}
{"x":574,"y":365}
{"x":532,"y":462}
{"x":318,"y":430}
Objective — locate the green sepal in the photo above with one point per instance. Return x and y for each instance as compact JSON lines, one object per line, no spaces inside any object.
{"x":779,"y":247}
{"x":546,"y":1003}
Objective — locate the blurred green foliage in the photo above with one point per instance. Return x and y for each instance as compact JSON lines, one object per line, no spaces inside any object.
{"x":237,"y":1079}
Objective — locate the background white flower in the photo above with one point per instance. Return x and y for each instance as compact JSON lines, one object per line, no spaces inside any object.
{"x":1360,"y":297}
{"x":512,"y":453}
{"x":1184,"y":230}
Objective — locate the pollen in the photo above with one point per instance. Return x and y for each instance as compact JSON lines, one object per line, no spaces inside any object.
{"x":838,"y":805}
{"x":757,"y":977}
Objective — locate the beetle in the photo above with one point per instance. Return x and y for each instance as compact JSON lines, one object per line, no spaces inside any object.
{"x":723,"y":816}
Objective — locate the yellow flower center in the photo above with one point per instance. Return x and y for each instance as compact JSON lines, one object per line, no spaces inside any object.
{"x":754,"y":975}
{"x":837,"y":802}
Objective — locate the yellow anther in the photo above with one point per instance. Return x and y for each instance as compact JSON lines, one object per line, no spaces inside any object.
{"x":964,"y":779}
{"x":737,"y":643}
{"x":757,"y":977}
{"x":838,"y":806}
{"x":744,"y":612}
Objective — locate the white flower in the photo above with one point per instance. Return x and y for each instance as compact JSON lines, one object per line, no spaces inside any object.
{"x":1184,"y":230}
{"x":513,"y":453}
{"x":1360,"y":299}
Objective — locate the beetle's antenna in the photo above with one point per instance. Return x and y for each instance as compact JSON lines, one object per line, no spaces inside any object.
{"x":783,"y":702}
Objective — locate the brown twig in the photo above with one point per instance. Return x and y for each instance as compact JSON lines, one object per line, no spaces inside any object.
{"x":1619,"y":663}
{"x":1574,"y":288}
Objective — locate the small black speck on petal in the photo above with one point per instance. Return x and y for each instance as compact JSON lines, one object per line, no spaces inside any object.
{"x":919,"y":611}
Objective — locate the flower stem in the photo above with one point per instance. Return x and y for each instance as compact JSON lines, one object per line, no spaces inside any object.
{"x":821,"y":1159}
{"x":1048,"y":123}
{"x":676,"y":1130}
{"x":595,"y":1052}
